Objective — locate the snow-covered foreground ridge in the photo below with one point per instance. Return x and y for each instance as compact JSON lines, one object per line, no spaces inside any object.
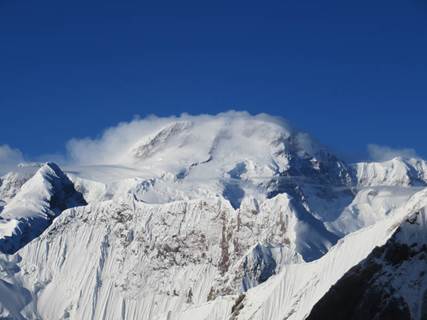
{"x":211,"y":217}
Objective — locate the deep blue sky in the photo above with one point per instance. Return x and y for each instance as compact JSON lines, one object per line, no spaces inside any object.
{"x":349,"y":72}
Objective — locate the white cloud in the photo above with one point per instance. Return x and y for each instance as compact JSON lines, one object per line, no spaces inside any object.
{"x":384,"y":153}
{"x":9,"y":158}
{"x":113,"y":146}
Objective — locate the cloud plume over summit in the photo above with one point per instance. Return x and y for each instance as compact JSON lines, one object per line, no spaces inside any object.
{"x":9,"y":158}
{"x":115,"y":142}
{"x":384,"y":153}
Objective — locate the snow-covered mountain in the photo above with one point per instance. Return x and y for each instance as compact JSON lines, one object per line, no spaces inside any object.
{"x":31,"y":210}
{"x":398,"y":171}
{"x":203,"y":217}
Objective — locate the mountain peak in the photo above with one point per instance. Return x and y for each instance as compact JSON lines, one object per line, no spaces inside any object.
{"x":40,"y":199}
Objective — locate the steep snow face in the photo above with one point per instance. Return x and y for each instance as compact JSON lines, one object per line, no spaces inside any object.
{"x":390,"y":283}
{"x":395,"y":172}
{"x":145,"y":260}
{"x":35,"y":205}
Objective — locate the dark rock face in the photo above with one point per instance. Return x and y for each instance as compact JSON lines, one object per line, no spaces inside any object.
{"x":368,"y":290}
{"x":262,"y":268}
{"x":65,"y":195}
{"x":353,"y":298}
{"x":424,"y":306}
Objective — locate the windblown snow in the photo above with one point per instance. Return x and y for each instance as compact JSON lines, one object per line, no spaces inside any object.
{"x":230,"y":216}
